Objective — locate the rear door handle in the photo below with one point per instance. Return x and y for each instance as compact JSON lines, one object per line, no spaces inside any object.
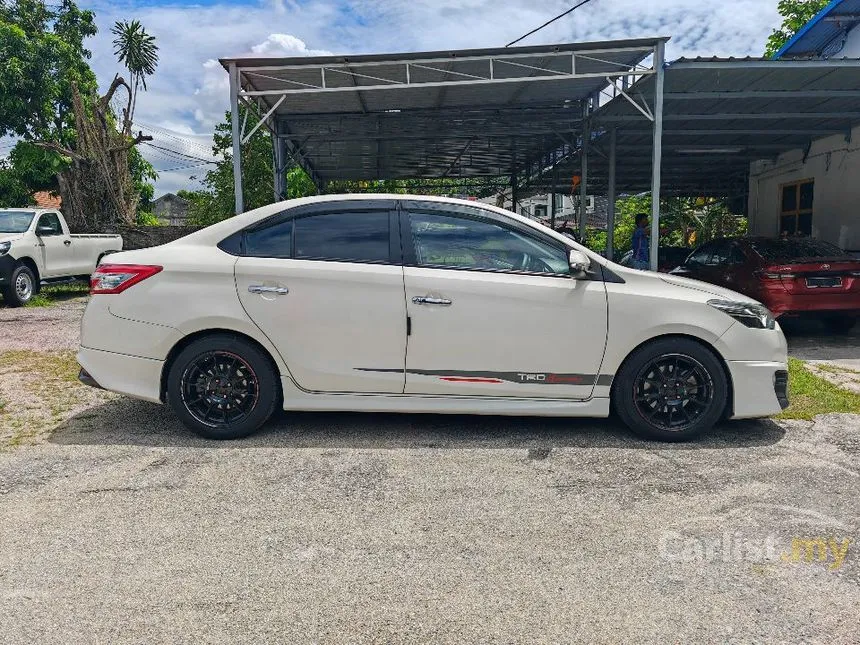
{"x":67,"y":242}
{"x":260,"y":288}
{"x":425,"y":300}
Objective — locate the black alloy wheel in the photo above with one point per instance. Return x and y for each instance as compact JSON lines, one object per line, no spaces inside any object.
{"x":671,"y":389}
{"x":222,"y":386}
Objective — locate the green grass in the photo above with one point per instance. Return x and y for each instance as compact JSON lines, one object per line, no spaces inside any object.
{"x":50,"y":294}
{"x":811,"y":395}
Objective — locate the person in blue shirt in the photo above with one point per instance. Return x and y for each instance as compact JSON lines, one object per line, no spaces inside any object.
{"x":641,"y":245}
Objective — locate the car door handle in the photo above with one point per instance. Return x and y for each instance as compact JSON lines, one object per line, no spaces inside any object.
{"x":260,"y":288}
{"x":425,"y":300}
{"x":67,"y":242}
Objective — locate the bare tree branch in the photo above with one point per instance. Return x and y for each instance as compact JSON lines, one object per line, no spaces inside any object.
{"x":140,"y":138}
{"x":56,"y":147}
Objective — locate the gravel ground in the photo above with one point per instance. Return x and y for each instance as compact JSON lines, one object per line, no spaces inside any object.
{"x":121,"y":526}
{"x":42,"y":328}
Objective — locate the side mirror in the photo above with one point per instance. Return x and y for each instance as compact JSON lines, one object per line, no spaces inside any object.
{"x":44,"y":230}
{"x":578,"y":263}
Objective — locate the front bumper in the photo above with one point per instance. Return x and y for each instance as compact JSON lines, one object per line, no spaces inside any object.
{"x":757,"y":388}
{"x":7,"y":266}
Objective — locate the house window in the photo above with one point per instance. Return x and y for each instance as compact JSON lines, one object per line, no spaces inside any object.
{"x":795,"y":215}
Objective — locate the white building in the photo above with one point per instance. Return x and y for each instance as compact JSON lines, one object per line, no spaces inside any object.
{"x":815,"y":190}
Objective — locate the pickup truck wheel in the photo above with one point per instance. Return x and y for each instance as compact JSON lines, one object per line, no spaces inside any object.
{"x":21,"y":288}
{"x":671,"y":390}
{"x":222,"y":387}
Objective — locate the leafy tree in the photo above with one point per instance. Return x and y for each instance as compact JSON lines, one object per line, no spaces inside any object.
{"x":137,"y":50}
{"x":795,"y":14}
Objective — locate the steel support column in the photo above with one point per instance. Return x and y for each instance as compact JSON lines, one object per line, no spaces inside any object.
{"x":657,"y":153}
{"x":280,"y":149}
{"x":583,"y":186}
{"x":610,"y":197}
{"x":237,"y":138}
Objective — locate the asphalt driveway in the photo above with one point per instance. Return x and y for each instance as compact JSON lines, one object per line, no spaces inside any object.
{"x":121,"y":526}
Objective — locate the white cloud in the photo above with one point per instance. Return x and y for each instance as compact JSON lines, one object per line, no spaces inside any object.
{"x":285,"y":45}
{"x":188,"y":94}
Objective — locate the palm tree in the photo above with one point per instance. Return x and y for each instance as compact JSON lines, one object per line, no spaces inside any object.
{"x":137,"y":50}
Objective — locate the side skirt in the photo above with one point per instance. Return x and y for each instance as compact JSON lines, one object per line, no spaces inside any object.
{"x":296,"y":399}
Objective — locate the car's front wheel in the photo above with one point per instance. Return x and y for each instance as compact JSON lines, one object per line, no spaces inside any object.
{"x":22,"y":286}
{"x":671,"y":389}
{"x":222,"y":387}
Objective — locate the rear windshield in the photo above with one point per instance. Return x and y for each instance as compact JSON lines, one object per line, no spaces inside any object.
{"x":797,"y":249}
{"x":15,"y":221}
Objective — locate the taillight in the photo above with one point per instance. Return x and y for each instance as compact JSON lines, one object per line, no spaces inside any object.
{"x":116,"y":278}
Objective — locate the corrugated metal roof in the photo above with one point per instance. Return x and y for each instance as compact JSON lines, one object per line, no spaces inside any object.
{"x":719,"y":115}
{"x":823,"y":35}
{"x":475,"y":112}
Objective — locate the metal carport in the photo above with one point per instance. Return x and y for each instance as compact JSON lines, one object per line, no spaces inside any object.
{"x":470,"y":113}
{"x":719,"y":115}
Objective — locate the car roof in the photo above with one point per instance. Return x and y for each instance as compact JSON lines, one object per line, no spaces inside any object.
{"x":25,"y":209}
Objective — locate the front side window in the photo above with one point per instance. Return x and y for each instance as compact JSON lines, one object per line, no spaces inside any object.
{"x":352,"y":237}
{"x":49,"y":221}
{"x":449,"y":241}
{"x":702,"y":255}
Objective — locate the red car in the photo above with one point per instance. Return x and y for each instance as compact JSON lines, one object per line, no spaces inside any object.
{"x":792,"y":277}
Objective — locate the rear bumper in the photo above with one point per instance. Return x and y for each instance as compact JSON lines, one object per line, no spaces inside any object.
{"x":131,"y":375}
{"x":792,"y":305}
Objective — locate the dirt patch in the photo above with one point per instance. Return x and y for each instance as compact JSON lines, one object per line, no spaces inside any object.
{"x":38,"y":391}
{"x":56,"y":327}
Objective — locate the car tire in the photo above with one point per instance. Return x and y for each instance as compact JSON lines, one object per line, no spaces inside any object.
{"x":839,"y":324}
{"x":222,"y":387}
{"x":22,"y":286}
{"x":671,"y":389}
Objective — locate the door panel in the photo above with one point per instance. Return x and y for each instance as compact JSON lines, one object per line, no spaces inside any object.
{"x":56,"y":249}
{"x":337,"y":320}
{"x":504,"y":334}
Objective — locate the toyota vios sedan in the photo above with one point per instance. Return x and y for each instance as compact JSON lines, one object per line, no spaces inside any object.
{"x":395,"y":303}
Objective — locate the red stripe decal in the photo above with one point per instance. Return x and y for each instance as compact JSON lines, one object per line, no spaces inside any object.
{"x":463,"y":379}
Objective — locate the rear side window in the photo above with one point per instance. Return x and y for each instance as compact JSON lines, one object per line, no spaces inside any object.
{"x":702,"y":255}
{"x":354,"y":237}
{"x":271,"y":242}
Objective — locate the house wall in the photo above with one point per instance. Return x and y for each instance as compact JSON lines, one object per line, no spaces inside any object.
{"x":834,"y":164}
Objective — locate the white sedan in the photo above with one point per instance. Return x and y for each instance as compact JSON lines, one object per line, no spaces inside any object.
{"x":400,"y":303}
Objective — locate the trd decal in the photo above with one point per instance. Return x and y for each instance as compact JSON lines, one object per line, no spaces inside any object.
{"x":543,"y":378}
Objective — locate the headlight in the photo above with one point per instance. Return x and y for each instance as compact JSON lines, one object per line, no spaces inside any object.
{"x":4,"y":247}
{"x":749,"y":313}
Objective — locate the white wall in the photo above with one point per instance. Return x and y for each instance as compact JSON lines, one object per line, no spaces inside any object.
{"x":834,"y":164}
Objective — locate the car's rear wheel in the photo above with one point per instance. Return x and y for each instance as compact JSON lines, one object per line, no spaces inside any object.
{"x":222,"y":387}
{"x":839,"y":323}
{"x":21,"y":287}
{"x":671,"y":389}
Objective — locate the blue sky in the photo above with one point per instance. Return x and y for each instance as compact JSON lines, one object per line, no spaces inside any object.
{"x":188,"y":94}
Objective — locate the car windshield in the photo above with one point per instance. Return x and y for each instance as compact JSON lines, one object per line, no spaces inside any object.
{"x":15,"y":221}
{"x":797,"y":249}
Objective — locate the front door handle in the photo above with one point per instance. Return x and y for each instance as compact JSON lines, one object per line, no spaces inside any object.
{"x":425,"y":300}
{"x":67,"y":242}
{"x":260,"y":288}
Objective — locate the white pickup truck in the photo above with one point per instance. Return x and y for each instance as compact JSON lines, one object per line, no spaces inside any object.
{"x":36,"y":248}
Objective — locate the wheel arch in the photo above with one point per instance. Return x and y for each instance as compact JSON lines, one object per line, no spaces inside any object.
{"x":185,"y":341}
{"x":30,"y":263}
{"x":730,"y":402}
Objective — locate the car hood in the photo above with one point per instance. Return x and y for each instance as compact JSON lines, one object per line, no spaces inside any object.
{"x":705,"y":287}
{"x":10,"y":237}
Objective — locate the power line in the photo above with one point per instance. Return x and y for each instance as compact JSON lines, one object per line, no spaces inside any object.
{"x":176,"y":152}
{"x":548,"y":22}
{"x":164,"y":132}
